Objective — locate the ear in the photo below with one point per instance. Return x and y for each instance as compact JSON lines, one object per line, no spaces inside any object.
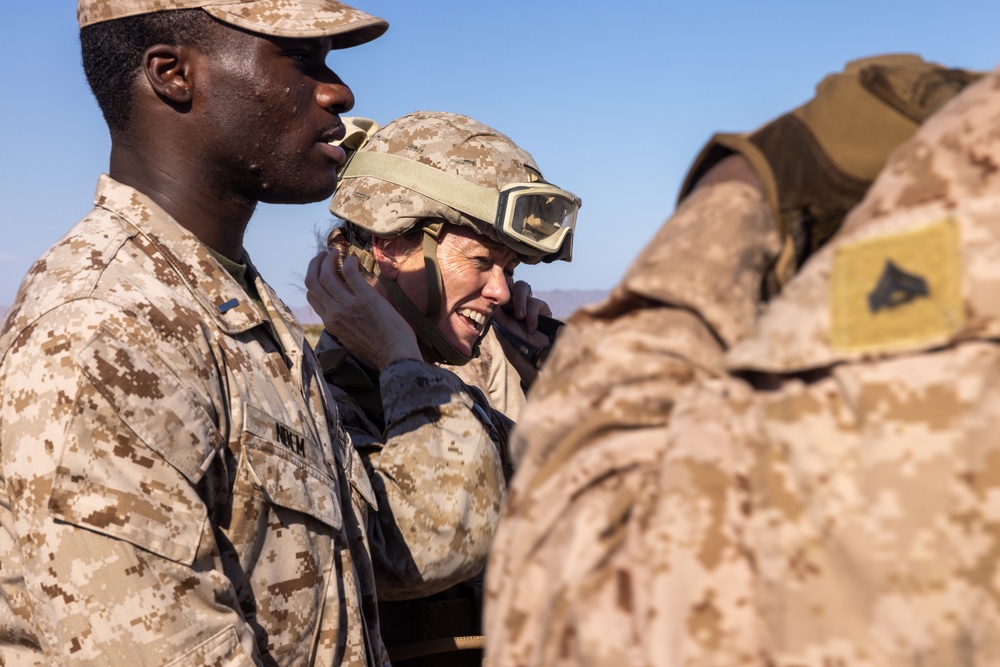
{"x":384,"y":252}
{"x":168,"y":69}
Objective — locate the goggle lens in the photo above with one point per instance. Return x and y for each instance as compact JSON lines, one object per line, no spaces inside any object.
{"x":540,"y":219}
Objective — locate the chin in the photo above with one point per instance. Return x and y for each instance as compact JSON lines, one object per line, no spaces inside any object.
{"x":464,"y":347}
{"x":310,"y":197}
{"x":298,"y":192}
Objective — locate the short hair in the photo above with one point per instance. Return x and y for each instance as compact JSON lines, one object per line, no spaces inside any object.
{"x":112,"y":53}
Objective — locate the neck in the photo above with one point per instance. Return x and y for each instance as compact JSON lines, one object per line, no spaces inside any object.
{"x":189,"y":193}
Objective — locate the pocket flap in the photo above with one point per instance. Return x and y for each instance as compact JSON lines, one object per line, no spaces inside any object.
{"x":288,"y":479}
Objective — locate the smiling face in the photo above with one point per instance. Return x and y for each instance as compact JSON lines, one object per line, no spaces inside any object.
{"x":272,"y":106}
{"x":476,"y":273}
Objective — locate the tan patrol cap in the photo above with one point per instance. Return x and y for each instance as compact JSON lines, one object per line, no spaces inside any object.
{"x":280,"y":18}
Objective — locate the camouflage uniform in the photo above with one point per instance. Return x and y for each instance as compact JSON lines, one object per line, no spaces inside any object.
{"x":175,"y":485}
{"x":434,"y":449}
{"x":493,"y":374}
{"x":815,"y":486}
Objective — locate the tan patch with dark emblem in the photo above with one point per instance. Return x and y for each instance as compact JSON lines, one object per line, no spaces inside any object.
{"x":897,"y":290}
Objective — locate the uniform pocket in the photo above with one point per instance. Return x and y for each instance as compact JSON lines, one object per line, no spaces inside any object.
{"x":139,"y":442}
{"x":287,"y":478}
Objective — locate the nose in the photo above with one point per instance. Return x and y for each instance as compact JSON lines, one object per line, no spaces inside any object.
{"x":335,"y":96}
{"x":497,"y":288}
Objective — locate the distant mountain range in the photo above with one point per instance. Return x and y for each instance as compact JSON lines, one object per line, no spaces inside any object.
{"x":563,"y":302}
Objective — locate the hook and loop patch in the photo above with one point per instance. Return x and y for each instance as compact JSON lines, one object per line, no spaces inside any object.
{"x":897,"y":290}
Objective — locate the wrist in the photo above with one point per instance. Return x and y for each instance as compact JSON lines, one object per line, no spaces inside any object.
{"x":398,"y":351}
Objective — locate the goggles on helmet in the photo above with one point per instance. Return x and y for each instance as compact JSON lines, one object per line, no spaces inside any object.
{"x":533,"y":219}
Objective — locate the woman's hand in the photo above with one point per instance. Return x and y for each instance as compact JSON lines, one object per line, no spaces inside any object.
{"x":526,"y":308}
{"x":520,"y":318}
{"x":354,"y":312}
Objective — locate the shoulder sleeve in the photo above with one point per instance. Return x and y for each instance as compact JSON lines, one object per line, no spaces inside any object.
{"x":438,"y":475}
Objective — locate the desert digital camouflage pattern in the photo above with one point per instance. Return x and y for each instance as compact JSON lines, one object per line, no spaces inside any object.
{"x":818,"y":488}
{"x":281,"y":18}
{"x":434,"y":450}
{"x":492,"y":373}
{"x":175,"y":487}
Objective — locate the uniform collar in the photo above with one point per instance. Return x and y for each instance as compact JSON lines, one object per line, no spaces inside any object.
{"x":220,"y":295}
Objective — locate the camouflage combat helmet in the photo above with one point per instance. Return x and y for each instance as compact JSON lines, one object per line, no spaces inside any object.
{"x":387,"y":188}
{"x":427,"y":169}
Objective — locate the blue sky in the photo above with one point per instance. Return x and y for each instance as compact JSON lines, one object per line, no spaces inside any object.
{"x":613,"y":99}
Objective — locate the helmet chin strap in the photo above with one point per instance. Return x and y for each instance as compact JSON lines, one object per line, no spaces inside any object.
{"x":434,"y":346}
{"x":435,"y":284}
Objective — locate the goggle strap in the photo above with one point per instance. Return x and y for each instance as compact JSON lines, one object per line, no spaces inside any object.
{"x":454,"y":191}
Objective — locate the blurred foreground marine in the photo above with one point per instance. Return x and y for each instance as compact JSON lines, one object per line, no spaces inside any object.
{"x":438,"y":210}
{"x":817,"y":485}
{"x":175,"y":484}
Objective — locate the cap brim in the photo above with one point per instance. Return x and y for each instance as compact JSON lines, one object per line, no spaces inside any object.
{"x":302,"y":18}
